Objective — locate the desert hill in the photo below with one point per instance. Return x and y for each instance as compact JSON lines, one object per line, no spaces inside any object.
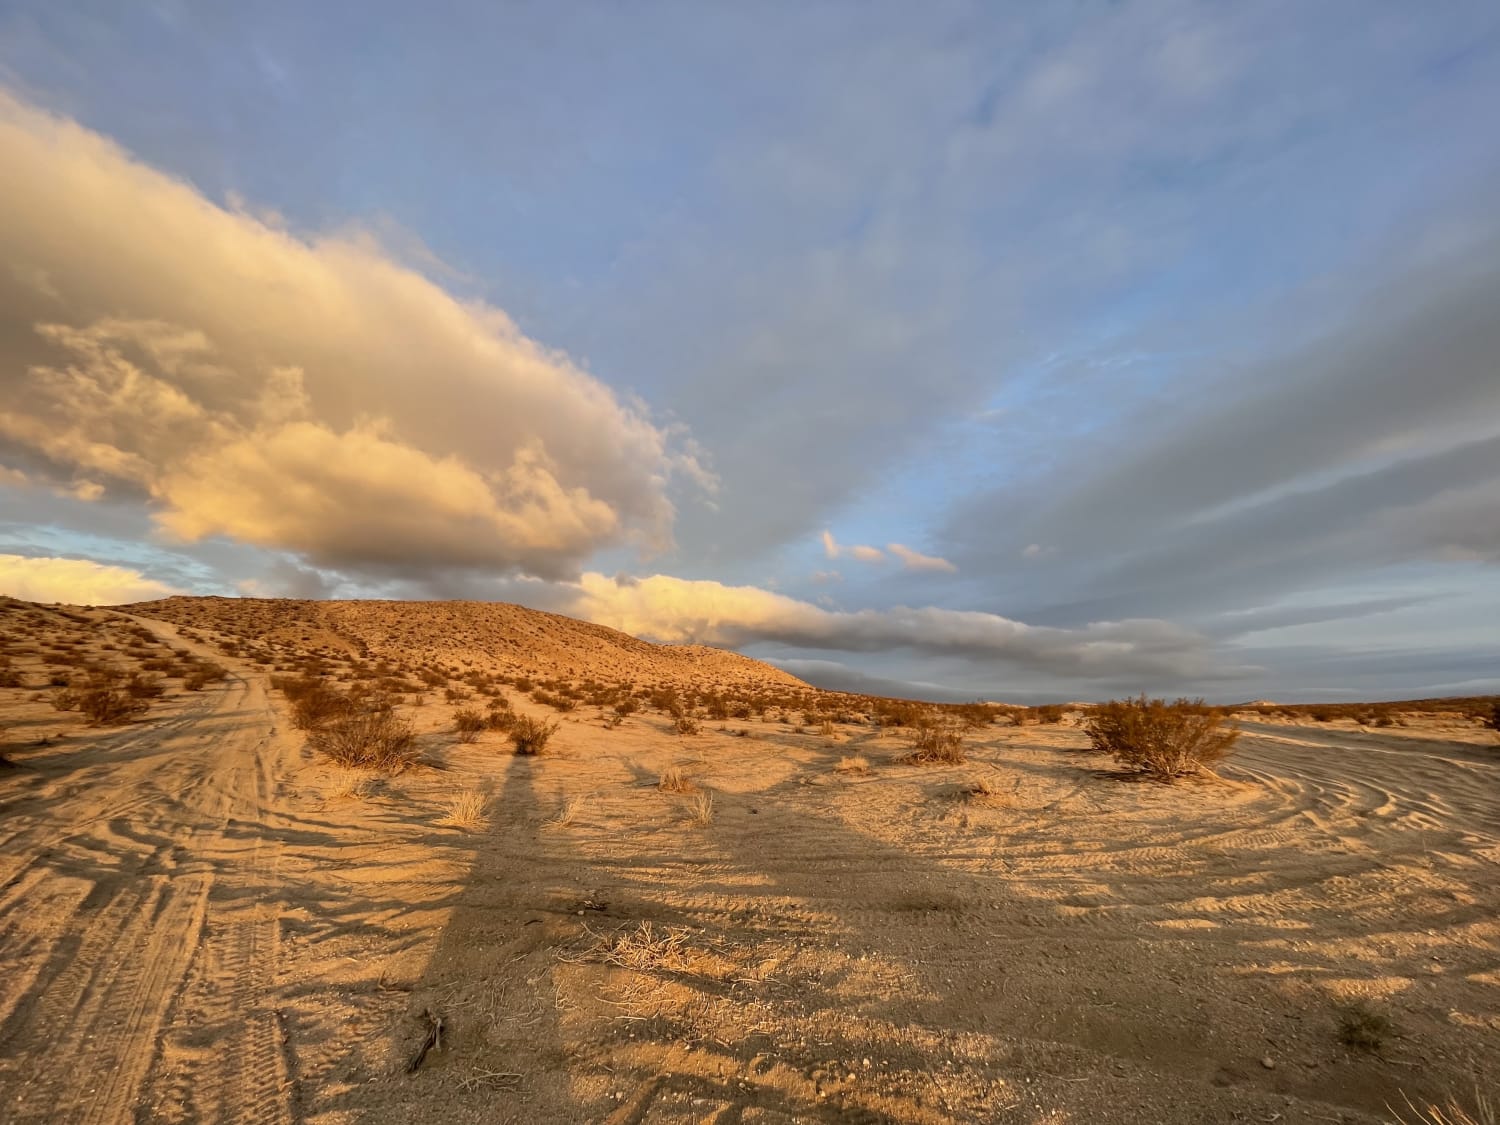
{"x":481,"y":636}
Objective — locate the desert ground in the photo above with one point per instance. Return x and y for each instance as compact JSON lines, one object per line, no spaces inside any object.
{"x":766,"y":919}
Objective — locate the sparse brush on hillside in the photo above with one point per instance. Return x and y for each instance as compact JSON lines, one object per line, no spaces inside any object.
{"x":378,"y":740}
{"x":686,"y":724}
{"x":1452,"y":1112}
{"x":314,"y":701}
{"x":1164,"y":740}
{"x":530,"y":736}
{"x":9,"y":676}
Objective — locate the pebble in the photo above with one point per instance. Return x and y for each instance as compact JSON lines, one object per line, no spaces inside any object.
{"x":1268,"y":1062}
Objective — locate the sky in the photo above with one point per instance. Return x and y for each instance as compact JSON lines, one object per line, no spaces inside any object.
{"x":1023,"y":352}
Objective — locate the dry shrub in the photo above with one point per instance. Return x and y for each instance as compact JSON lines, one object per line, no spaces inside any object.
{"x":569,"y":813}
{"x":465,"y":810}
{"x":67,"y":699}
{"x":1364,"y":1028}
{"x":686,"y":724}
{"x":1452,"y":1112}
{"x":825,"y":728}
{"x":1164,"y":740}
{"x":9,"y":677}
{"x":468,"y":722}
{"x":107,"y":706}
{"x":937,"y":744}
{"x":140,"y":686}
{"x":626,"y":706}
{"x":499,"y":716}
{"x":701,"y":810}
{"x":673,"y":780}
{"x":351,"y":784}
{"x":378,"y":740}
{"x":530,"y":736}
{"x":853,"y":763}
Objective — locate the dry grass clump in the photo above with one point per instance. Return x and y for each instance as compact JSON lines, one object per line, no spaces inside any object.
{"x":530,"y":736}
{"x":465,"y":810}
{"x":351,"y":784}
{"x":673,"y":780}
{"x":468,"y":723}
{"x":937,"y":743}
{"x":571,"y":810}
{"x":646,"y":948}
{"x":1452,"y":1112}
{"x":377,"y":740}
{"x":1161,"y":739}
{"x":853,"y":764}
{"x":701,"y":810}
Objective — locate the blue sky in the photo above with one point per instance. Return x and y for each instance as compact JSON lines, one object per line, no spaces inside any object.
{"x":1161,"y":338}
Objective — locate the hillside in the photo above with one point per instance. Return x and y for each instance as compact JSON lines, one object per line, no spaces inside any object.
{"x":481,"y":636}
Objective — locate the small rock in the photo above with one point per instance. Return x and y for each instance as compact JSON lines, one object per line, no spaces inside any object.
{"x":1268,"y":1062}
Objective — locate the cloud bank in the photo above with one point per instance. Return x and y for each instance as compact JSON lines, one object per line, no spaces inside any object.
{"x":678,"y":610}
{"x":313,"y":396}
{"x":75,"y":581}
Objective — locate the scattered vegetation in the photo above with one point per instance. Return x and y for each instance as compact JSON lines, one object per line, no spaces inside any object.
{"x":673,"y":780}
{"x":1452,"y":1112}
{"x":853,"y":764}
{"x":1163,"y":740}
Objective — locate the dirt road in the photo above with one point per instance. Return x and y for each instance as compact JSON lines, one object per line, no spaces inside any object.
{"x":138,"y":922}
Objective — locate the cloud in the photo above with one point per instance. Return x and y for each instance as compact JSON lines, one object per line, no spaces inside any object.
{"x":310,"y":395}
{"x":834,"y":550}
{"x":915,"y":560}
{"x":677,"y":610}
{"x":75,"y":581}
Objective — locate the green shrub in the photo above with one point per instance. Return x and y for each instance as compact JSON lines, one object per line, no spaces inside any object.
{"x":1164,"y":740}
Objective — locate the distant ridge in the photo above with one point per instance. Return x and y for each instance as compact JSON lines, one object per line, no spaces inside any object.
{"x":494,"y":636}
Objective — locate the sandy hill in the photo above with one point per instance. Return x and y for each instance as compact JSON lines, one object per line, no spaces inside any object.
{"x":489,"y":636}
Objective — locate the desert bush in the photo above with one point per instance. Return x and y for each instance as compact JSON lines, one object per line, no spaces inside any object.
{"x":673,"y":780}
{"x":530,"y":736}
{"x":139,"y":686}
{"x":106,"y":706}
{"x":701,"y":810}
{"x":468,"y":722}
{"x":626,"y":706}
{"x":1452,"y":1112}
{"x":1165,"y":740}
{"x":9,"y":676}
{"x":314,"y":701}
{"x":379,"y":740}
{"x":1364,"y":1028}
{"x":1493,"y":722}
{"x":465,"y":810}
{"x":937,"y":743}
{"x":686,"y":724}
{"x":853,"y":763}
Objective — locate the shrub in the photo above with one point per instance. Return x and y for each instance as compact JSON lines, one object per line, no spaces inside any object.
{"x":104,"y":706}
{"x":372,"y":740}
{"x":9,"y":677}
{"x":626,"y":706}
{"x":1363,"y":1028}
{"x":686,"y":724}
{"x":67,"y":699}
{"x":1165,"y":740}
{"x":530,"y":736}
{"x":139,"y":686}
{"x":314,"y":702}
{"x":937,"y":744}
{"x":468,"y":723}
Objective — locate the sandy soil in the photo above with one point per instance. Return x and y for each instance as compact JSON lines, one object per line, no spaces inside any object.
{"x":200,"y":922}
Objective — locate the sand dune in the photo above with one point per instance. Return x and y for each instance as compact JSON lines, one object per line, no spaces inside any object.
{"x":200,"y":921}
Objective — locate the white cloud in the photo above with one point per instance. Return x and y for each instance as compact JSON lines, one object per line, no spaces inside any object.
{"x":915,"y":560}
{"x":834,"y":550}
{"x":678,"y":610}
{"x":312,"y":395}
{"x":75,"y":581}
